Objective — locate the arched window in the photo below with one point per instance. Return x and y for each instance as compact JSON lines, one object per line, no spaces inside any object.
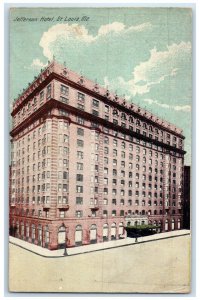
{"x":33,"y":233}
{"x":40,"y":235}
{"x":27,"y":231}
{"x":143,"y":212}
{"x":61,"y":236}
{"x":115,"y":112}
{"x":144,"y":125}
{"x":179,"y":224}
{"x":17,"y":229}
{"x":93,"y":234}
{"x":173,"y":222}
{"x":149,"y":212}
{"x":150,"y":128}
{"x":78,"y":235}
{"x":113,"y":231}
{"x":166,"y":225}
{"x":121,"y":229}
{"x":137,"y":122}
{"x":105,"y":232}
{"x":46,"y":236}
{"x":131,"y":120}
{"x":123,"y":116}
{"x":22,"y":229}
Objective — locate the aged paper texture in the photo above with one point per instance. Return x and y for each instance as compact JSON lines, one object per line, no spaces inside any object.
{"x":100,"y":133}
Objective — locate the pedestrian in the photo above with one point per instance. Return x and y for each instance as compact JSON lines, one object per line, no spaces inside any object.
{"x":136,"y":239}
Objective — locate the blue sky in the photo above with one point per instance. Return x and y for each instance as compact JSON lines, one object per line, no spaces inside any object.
{"x":143,"y":53}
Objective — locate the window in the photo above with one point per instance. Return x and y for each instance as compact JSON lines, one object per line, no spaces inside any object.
{"x":122,"y":173}
{"x":79,"y":166}
{"x":79,"y":200}
{"x":106,"y":181}
{"x":137,"y":123}
{"x":79,"y":189}
{"x":106,"y":109}
{"x":130,"y":156}
{"x":114,"y":152}
{"x":95,"y":112}
{"x":105,"y":213}
{"x":114,"y":181}
{"x":63,"y":99}
{"x":122,"y":193}
{"x":79,"y":213}
{"x":122,"y":154}
{"x":106,"y":140}
{"x":64,"y":89}
{"x":62,"y":214}
{"x":130,"y":147}
{"x":80,"y":131}
{"x":41,"y":96}
{"x":80,"y":154}
{"x":122,"y":202}
{"x":95,"y":103}
{"x":79,"y":177}
{"x":65,"y":138}
{"x":113,"y":213}
{"x":106,"y":160}
{"x":49,"y":91}
{"x":114,"y":143}
{"x":114,"y":201}
{"x":122,"y":164}
{"x":80,"y":120}
{"x":105,"y":191}
{"x":123,"y":116}
{"x":123,"y":146}
{"x":80,"y":106}
{"x":105,"y":170}
{"x":80,"y":143}
{"x":81,"y":97}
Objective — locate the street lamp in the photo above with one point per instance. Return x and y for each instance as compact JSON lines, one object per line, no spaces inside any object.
{"x":65,"y":250}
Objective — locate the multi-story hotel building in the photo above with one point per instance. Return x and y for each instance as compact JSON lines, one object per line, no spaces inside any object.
{"x":84,"y":161}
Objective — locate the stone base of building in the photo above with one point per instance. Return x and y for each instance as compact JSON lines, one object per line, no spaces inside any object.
{"x":61,"y":233}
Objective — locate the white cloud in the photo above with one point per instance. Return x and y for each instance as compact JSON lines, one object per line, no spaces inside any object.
{"x":64,"y":32}
{"x":185,"y":108}
{"x":159,"y":66}
{"x":76,"y":32}
{"x":118,"y":27}
{"x":113,"y":27}
{"x":37,"y":64}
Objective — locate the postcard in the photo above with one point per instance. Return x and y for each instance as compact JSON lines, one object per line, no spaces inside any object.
{"x":100,"y":150}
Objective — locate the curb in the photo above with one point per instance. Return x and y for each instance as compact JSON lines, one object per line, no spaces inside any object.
{"x":107,"y":248}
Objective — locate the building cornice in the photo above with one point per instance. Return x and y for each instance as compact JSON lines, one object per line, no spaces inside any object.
{"x":125,"y":107}
{"x":42,"y":112}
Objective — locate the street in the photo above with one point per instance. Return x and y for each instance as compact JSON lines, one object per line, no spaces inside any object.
{"x":158,"y":266}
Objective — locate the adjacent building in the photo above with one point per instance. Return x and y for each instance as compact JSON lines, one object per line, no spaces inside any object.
{"x":186,"y":202}
{"x":84,"y":161}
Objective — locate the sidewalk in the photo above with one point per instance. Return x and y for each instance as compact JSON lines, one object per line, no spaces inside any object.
{"x":95,"y":247}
